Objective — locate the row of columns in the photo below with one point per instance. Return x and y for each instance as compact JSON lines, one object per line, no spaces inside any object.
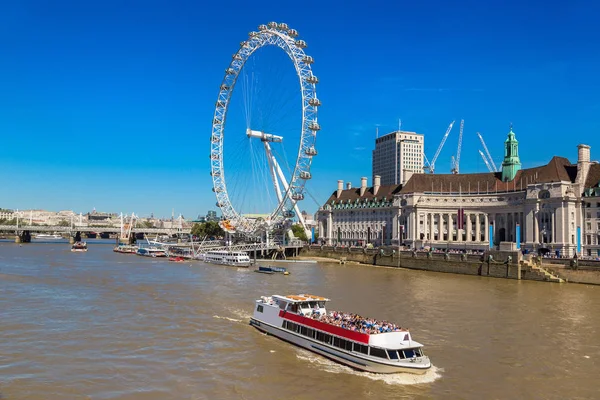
{"x":430,"y":218}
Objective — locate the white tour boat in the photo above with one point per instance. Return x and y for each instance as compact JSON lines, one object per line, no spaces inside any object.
{"x":46,"y":236}
{"x":361,"y":343}
{"x":231,"y":258}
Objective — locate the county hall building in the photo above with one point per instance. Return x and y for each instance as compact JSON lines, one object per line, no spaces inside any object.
{"x":554,"y":208}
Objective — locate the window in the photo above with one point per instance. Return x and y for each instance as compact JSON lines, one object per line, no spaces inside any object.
{"x":377,"y":352}
{"x":359,"y":348}
{"x":259,"y":308}
{"x":409,"y":353}
{"x":393,"y":354}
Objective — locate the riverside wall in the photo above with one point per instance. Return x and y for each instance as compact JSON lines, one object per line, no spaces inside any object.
{"x":436,"y":262}
{"x":586,"y":271}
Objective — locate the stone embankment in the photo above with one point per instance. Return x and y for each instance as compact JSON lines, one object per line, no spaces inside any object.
{"x":493,"y":263}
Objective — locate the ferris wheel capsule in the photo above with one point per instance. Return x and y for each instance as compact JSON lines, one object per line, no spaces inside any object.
{"x":272,"y":25}
{"x":311,"y":151}
{"x":293,"y":33}
{"x":301,"y":44}
{"x":283,"y":26}
{"x":314,"y":126}
{"x":305,"y":174}
{"x":289,"y":214}
{"x":262,"y":27}
{"x":314,"y":102}
{"x":308,"y":60}
{"x":312,"y":79}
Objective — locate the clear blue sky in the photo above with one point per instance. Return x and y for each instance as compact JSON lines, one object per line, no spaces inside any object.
{"x":108,"y":104}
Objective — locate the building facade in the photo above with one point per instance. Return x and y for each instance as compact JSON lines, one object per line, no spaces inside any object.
{"x":397,"y":154}
{"x":554,"y":208}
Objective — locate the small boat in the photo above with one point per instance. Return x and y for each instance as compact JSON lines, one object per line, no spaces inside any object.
{"x":362,"y":343}
{"x":264,"y":270}
{"x":79,"y":247}
{"x":125,"y":248}
{"x":151,"y":252}
{"x":177,"y":259}
{"x":45,"y":236}
{"x":281,"y":270}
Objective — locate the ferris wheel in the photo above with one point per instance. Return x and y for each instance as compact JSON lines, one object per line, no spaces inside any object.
{"x":286,"y":189}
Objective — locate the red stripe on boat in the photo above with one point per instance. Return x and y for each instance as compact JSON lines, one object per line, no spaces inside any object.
{"x":322,"y":326}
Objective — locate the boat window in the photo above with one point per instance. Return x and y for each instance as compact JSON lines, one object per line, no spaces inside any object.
{"x":309,"y":332}
{"x":282,"y":304}
{"x":327,"y":338}
{"x":348,"y":345}
{"x":409,"y":353}
{"x":336,"y":341}
{"x":359,"y":348}
{"x":320,"y":336}
{"x":419,"y":352}
{"x":342,"y":344}
{"x":304,"y":331}
{"x":294,"y":308}
{"x":259,"y":308}
{"x":393,"y":354}
{"x":377,"y":352}
{"x":321,"y":304}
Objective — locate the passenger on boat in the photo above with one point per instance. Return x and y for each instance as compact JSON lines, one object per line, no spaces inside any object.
{"x":355,"y":322}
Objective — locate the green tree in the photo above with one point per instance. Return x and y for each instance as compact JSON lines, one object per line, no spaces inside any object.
{"x":210,"y":229}
{"x":63,"y":222}
{"x":298,"y":232}
{"x":147,"y":224}
{"x":198,"y":230}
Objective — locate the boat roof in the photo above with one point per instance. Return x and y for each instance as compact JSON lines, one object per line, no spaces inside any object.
{"x":298,"y":298}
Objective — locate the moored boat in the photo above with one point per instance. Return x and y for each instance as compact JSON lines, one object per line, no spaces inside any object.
{"x":46,"y":236}
{"x":361,"y":343}
{"x":177,"y":259}
{"x":264,"y":270}
{"x":125,"y":248}
{"x":151,"y":252}
{"x":231,"y":258}
{"x":79,"y":247}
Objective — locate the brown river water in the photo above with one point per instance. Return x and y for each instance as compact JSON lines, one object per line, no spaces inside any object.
{"x":101,"y":325}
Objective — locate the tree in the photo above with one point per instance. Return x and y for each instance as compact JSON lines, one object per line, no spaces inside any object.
{"x":147,"y":224}
{"x":63,"y":222}
{"x":298,"y":232}
{"x":210,"y":229}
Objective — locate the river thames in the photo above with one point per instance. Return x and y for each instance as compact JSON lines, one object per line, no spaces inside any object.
{"x":101,"y":325}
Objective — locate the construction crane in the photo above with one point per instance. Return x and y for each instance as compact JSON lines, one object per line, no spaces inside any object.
{"x":455,"y":168}
{"x":485,"y":160}
{"x":487,"y":153}
{"x":431,"y":166}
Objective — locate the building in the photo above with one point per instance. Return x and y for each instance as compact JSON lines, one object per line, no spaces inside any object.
{"x":554,"y":208}
{"x":397,"y":154}
{"x":359,"y":216}
{"x":212,"y":216}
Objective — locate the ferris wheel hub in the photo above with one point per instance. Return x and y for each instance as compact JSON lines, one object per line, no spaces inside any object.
{"x":264,"y":137}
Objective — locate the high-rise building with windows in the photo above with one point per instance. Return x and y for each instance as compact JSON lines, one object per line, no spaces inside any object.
{"x":397,"y":156}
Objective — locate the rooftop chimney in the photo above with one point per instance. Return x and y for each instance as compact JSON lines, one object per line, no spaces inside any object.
{"x":376,"y":184}
{"x":340,"y":188}
{"x":363,"y":185}
{"x":348,"y":186}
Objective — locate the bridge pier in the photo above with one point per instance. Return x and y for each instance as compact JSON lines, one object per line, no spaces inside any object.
{"x":76,"y":238}
{"x":23,"y":237}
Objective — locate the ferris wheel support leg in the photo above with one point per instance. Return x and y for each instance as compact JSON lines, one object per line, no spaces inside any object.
{"x":273,"y":166}
{"x":286,"y":187}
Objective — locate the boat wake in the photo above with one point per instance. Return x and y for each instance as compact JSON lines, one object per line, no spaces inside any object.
{"x":227,"y":318}
{"x":391,"y":379}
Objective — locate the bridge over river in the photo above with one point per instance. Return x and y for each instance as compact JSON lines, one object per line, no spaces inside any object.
{"x":23,"y":232}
